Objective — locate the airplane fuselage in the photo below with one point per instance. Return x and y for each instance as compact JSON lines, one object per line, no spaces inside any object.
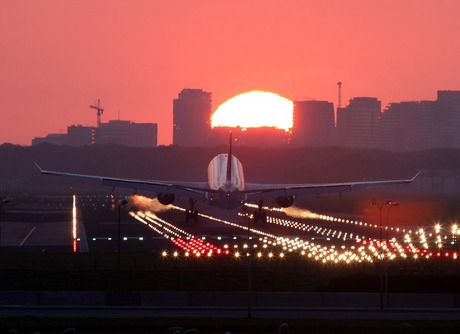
{"x":227,"y":179}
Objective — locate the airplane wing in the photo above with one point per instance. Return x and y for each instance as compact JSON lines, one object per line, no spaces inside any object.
{"x":253,"y":192}
{"x":195,"y":190}
{"x":257,"y":192}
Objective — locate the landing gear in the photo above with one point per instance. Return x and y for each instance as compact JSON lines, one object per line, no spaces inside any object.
{"x":191,"y":214}
{"x":260,"y":216}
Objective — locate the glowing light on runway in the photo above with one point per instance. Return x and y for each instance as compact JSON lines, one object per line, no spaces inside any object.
{"x":74,"y":225}
{"x":198,"y":247}
{"x":150,"y":216}
{"x":321,"y":238}
{"x":176,"y":235}
{"x":388,"y":249}
{"x":160,"y":226}
{"x":143,"y":221}
{"x":226,"y":222}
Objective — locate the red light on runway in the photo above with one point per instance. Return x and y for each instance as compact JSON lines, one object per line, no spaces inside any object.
{"x":197,"y":246}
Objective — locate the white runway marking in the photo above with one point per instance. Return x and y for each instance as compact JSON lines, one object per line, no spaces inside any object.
{"x":28,"y":235}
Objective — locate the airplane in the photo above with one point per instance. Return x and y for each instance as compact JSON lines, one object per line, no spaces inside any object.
{"x":226,"y":187}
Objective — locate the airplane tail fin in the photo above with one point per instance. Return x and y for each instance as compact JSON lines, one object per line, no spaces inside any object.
{"x":229,"y":161}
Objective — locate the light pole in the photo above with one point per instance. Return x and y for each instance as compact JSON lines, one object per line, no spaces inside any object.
{"x":248,"y":255}
{"x":123,"y":202}
{"x":384,"y":276}
{"x":390,"y":205}
{"x":380,"y":216}
{"x":381,"y":205}
{"x":2,"y":201}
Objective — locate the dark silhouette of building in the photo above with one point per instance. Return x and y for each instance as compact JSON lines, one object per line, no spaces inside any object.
{"x":358,"y":123}
{"x":407,"y":126}
{"x":420,"y":125}
{"x":127,"y":133}
{"x":124,"y":133}
{"x":192,"y":118}
{"x":52,"y":138}
{"x":76,"y":135}
{"x":313,"y":123}
{"x":446,"y":120}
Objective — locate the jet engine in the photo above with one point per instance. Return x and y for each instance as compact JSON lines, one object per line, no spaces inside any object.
{"x":166,"y":199}
{"x":285,"y":201}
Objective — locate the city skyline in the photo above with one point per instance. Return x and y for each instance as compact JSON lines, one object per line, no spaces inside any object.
{"x":401,"y":126}
{"x":60,"y":57}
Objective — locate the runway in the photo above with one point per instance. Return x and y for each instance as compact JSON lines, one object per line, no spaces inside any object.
{"x":37,"y":223}
{"x":89,"y":223}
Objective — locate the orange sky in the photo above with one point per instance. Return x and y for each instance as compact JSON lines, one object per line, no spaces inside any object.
{"x":59,"y":56}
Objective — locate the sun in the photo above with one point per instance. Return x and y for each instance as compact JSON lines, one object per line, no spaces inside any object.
{"x":255,"y":109}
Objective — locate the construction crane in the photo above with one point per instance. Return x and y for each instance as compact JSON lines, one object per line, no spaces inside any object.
{"x":100,"y":111}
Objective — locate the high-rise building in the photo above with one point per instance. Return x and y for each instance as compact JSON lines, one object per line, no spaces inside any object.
{"x":422,"y":124}
{"x":407,"y":126}
{"x":358,"y":123}
{"x":192,"y":118}
{"x":313,"y":123}
{"x":446,"y":119}
{"x":127,"y":133}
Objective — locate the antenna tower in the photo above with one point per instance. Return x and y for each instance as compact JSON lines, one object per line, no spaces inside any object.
{"x":100,"y":111}
{"x":339,"y":105}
